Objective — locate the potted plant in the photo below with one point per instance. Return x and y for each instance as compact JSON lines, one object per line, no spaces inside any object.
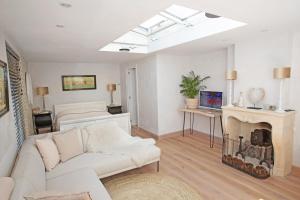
{"x":190,"y":85}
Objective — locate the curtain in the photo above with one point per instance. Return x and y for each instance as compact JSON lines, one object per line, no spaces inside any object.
{"x":29,"y":88}
{"x":16,"y":93}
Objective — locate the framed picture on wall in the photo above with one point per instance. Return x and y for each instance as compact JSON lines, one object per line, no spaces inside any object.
{"x":4,"y":100}
{"x":79,"y":82}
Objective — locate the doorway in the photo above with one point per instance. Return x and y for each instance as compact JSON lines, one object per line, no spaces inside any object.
{"x":132,"y":102}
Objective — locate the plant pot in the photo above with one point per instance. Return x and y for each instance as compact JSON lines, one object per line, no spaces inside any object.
{"x":192,"y":103}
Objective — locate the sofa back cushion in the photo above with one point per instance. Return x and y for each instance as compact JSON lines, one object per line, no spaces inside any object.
{"x":69,"y":144}
{"x":49,"y":152}
{"x":29,"y":171}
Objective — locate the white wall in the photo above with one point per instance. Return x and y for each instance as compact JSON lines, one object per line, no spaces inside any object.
{"x":159,"y":95}
{"x":255,"y":60}
{"x":49,"y":74}
{"x":211,"y":64}
{"x":147,"y":91}
{"x":170,"y":69}
{"x":8,"y":143}
{"x":295,"y":94}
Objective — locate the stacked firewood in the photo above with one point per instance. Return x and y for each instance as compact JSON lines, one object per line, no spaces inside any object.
{"x":258,"y":171}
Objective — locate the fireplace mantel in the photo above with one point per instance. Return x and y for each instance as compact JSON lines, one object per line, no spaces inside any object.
{"x":282,"y":132}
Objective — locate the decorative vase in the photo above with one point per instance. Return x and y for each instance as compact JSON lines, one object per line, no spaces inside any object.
{"x":255,"y":96}
{"x":192,"y":103}
{"x":241,"y":102}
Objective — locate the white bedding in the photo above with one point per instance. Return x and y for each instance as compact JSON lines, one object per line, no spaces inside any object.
{"x":76,"y":114}
{"x":110,"y":138}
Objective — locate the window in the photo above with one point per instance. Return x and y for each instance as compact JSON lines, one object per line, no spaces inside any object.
{"x":175,"y":25}
{"x":16,"y":93}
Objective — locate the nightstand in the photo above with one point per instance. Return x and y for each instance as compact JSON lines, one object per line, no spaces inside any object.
{"x":42,"y":120}
{"x":112,"y":109}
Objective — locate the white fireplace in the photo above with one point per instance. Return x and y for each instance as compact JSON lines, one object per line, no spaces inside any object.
{"x":241,"y":121}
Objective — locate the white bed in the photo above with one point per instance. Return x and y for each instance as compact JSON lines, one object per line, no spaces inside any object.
{"x":82,"y":114}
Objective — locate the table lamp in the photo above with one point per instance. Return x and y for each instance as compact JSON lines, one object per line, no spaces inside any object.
{"x":111,"y":88}
{"x":42,"y":91}
{"x":231,"y":76}
{"x":281,"y":74}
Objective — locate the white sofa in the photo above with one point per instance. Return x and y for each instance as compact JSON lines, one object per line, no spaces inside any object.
{"x":79,"y":174}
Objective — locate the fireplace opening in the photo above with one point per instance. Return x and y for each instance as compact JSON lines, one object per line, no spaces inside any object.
{"x":248,"y":147}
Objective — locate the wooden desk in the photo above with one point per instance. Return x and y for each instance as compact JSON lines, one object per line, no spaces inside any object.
{"x":211,"y":114}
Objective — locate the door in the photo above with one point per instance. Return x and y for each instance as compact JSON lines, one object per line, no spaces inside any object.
{"x":132,"y":95}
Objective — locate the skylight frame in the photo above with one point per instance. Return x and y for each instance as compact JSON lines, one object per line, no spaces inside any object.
{"x":179,"y":11}
{"x":160,"y":34}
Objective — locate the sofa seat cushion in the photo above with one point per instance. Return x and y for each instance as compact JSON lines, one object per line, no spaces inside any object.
{"x":83,"y":180}
{"x":22,"y":188}
{"x":6,"y":187}
{"x":100,"y":162}
{"x":140,"y":153}
{"x":105,"y":136}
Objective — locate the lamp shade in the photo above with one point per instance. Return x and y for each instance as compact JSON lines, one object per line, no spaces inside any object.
{"x":42,"y":91}
{"x":231,"y":75}
{"x":111,"y":87}
{"x":282,"y":73}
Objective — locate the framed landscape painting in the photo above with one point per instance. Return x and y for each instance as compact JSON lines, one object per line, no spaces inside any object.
{"x":79,"y":82}
{"x":4,"y":105}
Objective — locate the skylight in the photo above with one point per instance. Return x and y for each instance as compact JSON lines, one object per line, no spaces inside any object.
{"x":173,"y":26}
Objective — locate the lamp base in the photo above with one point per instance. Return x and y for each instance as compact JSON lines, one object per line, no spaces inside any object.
{"x":280,"y":110}
{"x":255,"y":108}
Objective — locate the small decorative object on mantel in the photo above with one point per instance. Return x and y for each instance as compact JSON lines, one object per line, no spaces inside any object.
{"x":269,"y":107}
{"x":255,"y":96}
{"x":281,"y":74}
{"x":190,"y":85}
{"x":241,"y":102}
{"x":231,"y":76}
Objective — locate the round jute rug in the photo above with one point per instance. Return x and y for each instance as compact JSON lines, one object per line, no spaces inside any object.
{"x":150,"y":187}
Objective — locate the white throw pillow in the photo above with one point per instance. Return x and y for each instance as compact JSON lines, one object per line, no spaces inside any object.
{"x":69,"y":143}
{"x":6,"y":187}
{"x":48,"y":151}
{"x":103,"y":137}
{"x":53,"y":195}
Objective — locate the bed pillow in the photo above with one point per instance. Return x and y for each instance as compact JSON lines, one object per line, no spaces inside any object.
{"x":48,"y":151}
{"x":52,"y":195}
{"x":104,"y":136}
{"x":6,"y":187}
{"x":69,"y":144}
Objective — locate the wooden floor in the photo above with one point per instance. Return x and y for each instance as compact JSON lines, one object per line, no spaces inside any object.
{"x":190,"y":159}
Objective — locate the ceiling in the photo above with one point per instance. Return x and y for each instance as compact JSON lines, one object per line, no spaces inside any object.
{"x":92,"y":24}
